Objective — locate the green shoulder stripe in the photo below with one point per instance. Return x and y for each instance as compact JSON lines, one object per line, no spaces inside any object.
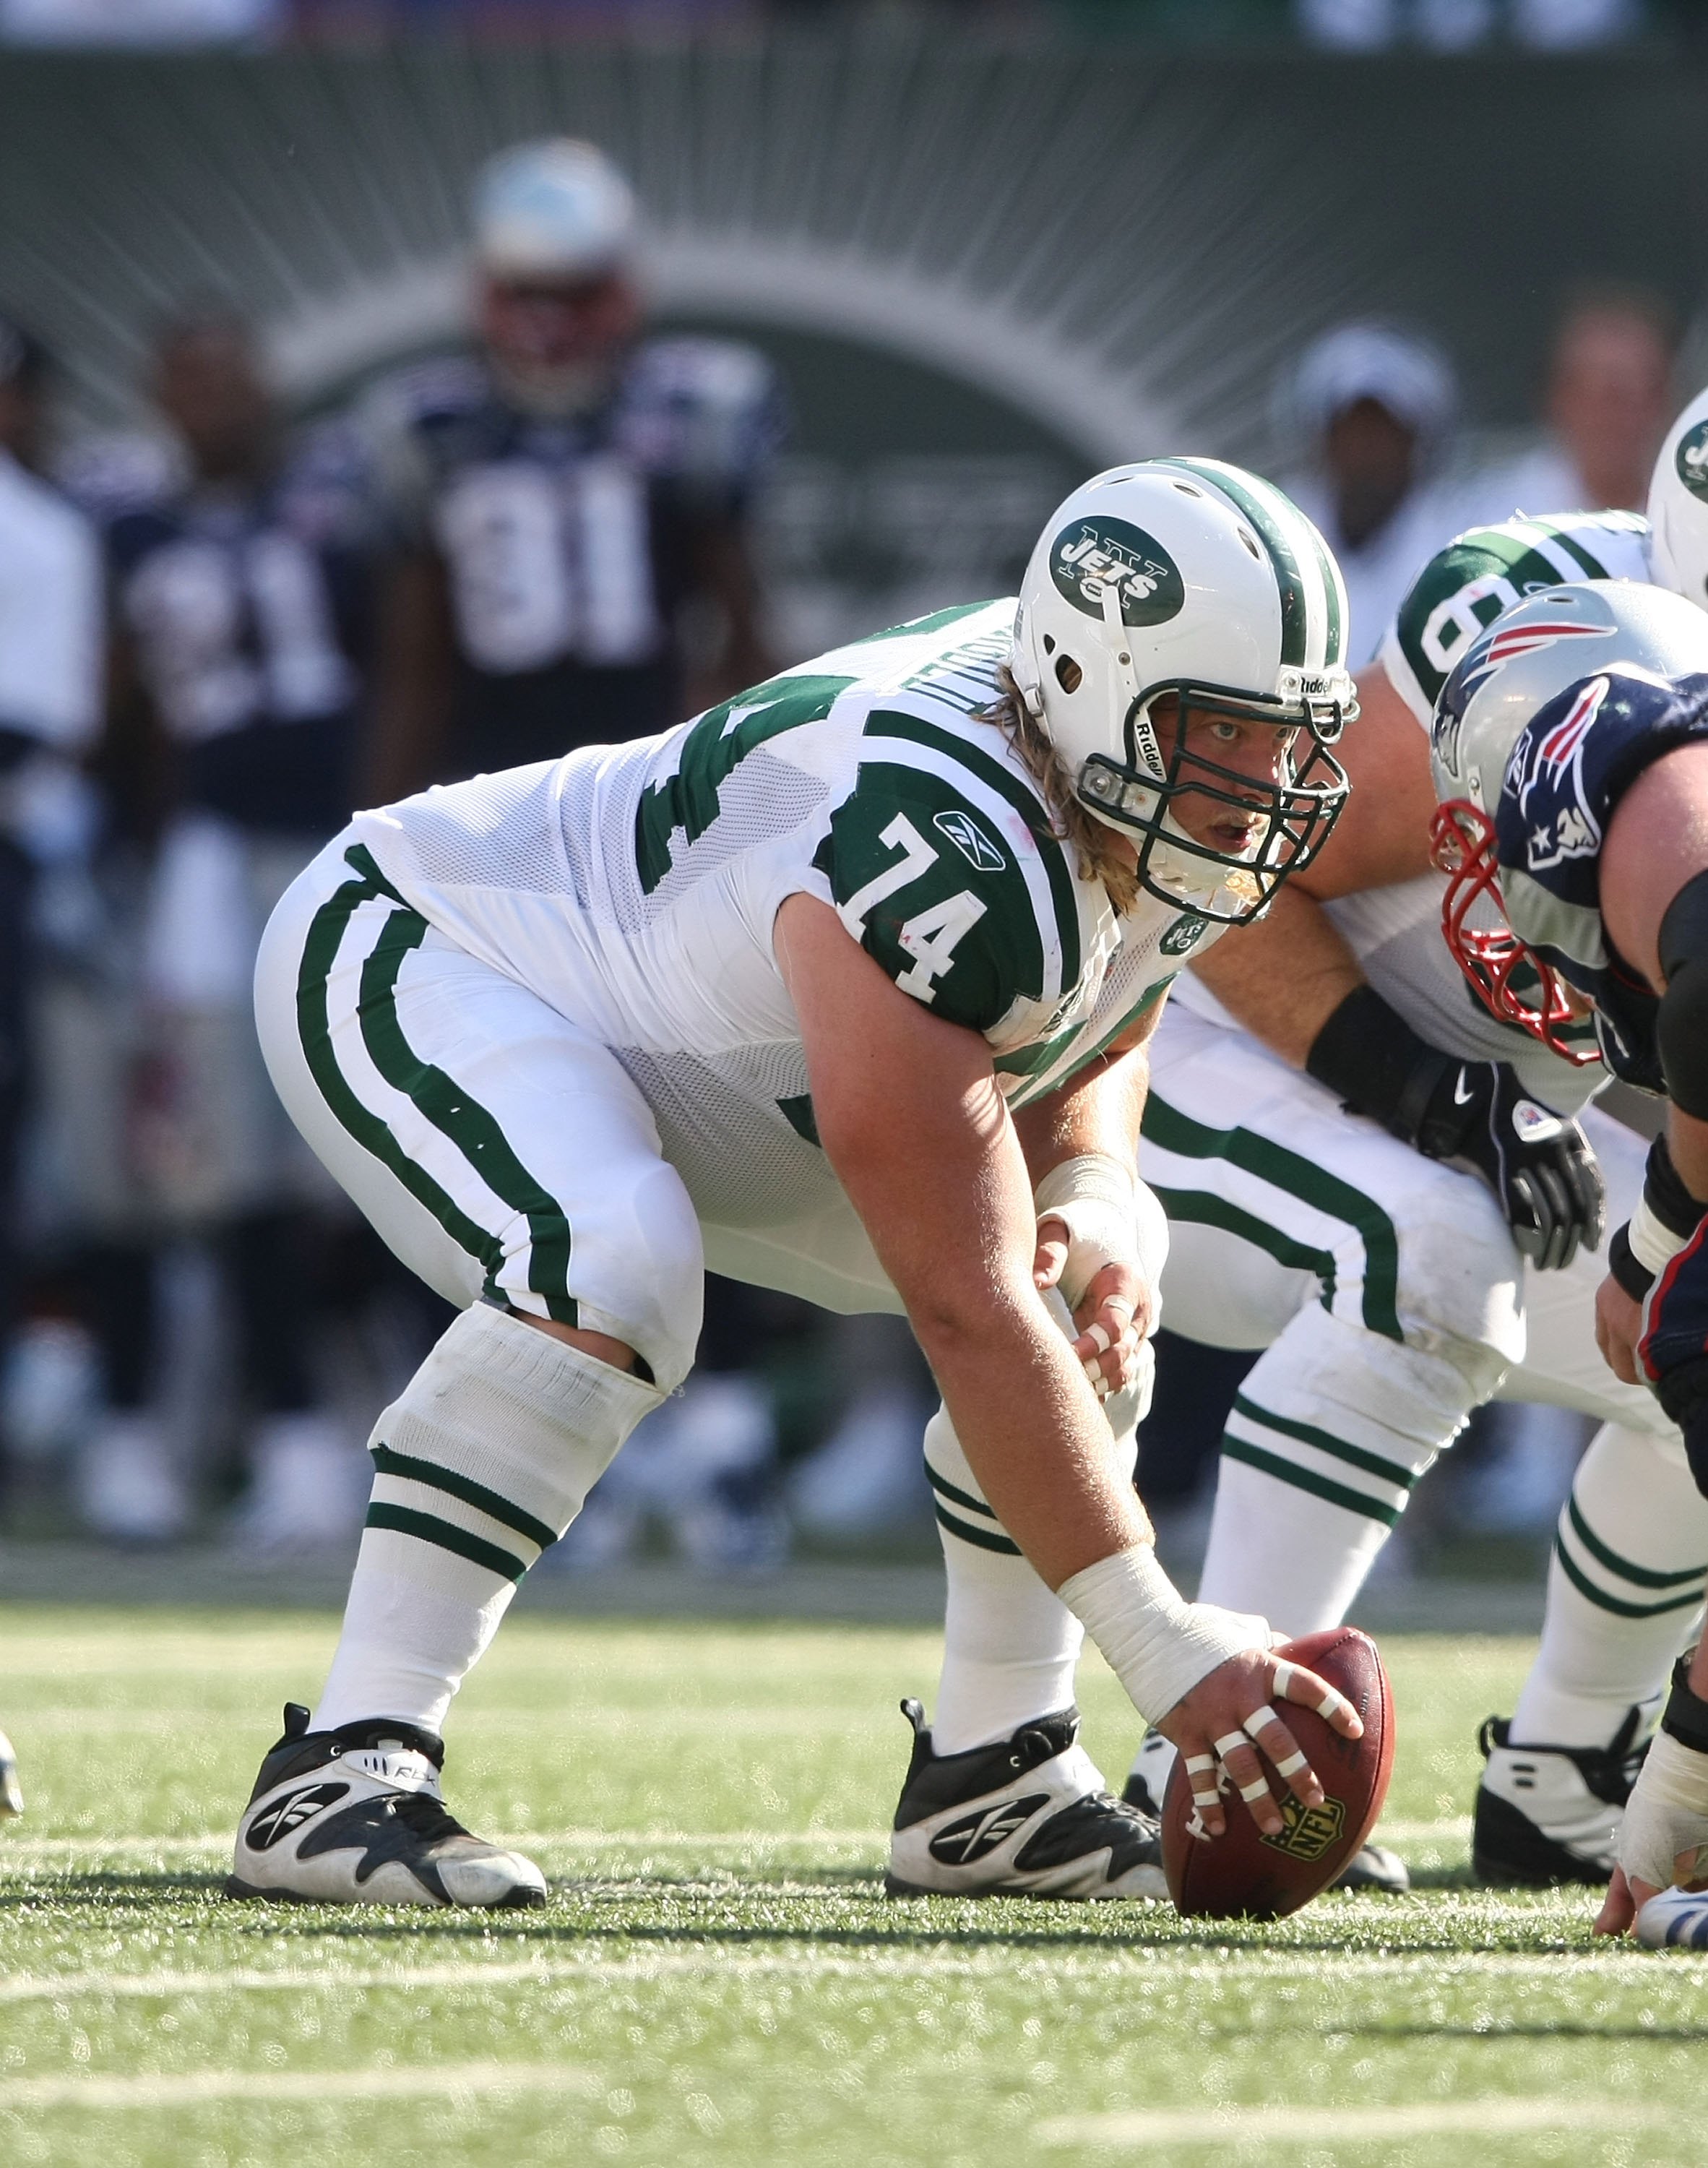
{"x":688,"y":799}
{"x":892,"y":723}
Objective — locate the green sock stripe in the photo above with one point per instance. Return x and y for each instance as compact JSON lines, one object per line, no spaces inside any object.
{"x":1587,"y":1588}
{"x":1355,"y":1456}
{"x":984,"y":1539}
{"x":1200,"y":1207}
{"x":1303,"y":1479}
{"x":489,"y":1502}
{"x":320,"y":953}
{"x":466,"y":1123}
{"x":1175,"y":1132}
{"x":948,"y":1489}
{"x":1639,"y":1576}
{"x":428,"y":1529}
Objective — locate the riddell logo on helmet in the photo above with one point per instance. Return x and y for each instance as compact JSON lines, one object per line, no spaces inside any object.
{"x":1693,"y":461}
{"x":1095,"y":557}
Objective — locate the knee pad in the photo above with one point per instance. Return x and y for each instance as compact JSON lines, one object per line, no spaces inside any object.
{"x":496,"y":1440}
{"x":1403,"y":1402}
{"x":1459,"y":1279}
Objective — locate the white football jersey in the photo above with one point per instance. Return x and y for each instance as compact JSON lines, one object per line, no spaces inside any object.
{"x":1396,"y":932}
{"x":634,"y":889}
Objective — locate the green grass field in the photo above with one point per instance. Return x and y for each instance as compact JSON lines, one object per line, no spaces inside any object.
{"x":718,"y":1979}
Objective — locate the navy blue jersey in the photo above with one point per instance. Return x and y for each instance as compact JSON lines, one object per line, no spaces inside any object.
{"x":1572,"y":764}
{"x":571,"y":543}
{"x":250,"y":611}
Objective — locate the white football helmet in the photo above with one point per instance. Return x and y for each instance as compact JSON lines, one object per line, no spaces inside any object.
{"x":557,"y":209}
{"x":1677,"y":507}
{"x":1557,"y":642}
{"x":1189,"y":579}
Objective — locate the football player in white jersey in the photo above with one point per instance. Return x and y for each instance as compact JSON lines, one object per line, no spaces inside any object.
{"x":1395,"y":1196}
{"x":842,"y":989}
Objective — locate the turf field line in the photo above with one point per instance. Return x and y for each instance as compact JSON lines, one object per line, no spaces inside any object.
{"x":1268,"y":1967}
{"x":40,"y":1850}
{"x":1143,"y":2129}
{"x":184,"y":2088}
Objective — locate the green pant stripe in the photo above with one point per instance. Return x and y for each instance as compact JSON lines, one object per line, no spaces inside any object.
{"x":1586,"y":1587}
{"x":1174,"y":1132}
{"x":1199,"y":1208}
{"x":1303,"y":1479}
{"x":1355,"y":1456}
{"x":428,"y":1529}
{"x":496,"y":1508}
{"x":1640,"y":1576}
{"x":946,"y":1490}
{"x":984,"y":1539}
{"x":469,"y":1128}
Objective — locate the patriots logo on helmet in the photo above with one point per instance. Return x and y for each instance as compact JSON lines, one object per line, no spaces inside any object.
{"x":1501,"y":644}
{"x":1547,"y":761}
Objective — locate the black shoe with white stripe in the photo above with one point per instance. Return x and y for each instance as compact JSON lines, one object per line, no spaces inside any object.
{"x":1027,"y":1817}
{"x":1371,"y":1867}
{"x":1549,"y":1815}
{"x":354,"y":1816}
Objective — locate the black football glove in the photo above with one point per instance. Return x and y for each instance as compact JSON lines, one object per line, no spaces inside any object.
{"x":1538,"y":1163}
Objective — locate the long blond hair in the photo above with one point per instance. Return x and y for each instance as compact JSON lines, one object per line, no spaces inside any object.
{"x":1100,"y":854}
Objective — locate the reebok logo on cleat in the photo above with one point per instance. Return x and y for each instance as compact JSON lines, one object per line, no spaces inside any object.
{"x":975,"y":1835}
{"x":288,"y":1814}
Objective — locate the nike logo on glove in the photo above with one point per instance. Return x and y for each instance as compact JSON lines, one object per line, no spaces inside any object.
{"x":1462,"y":1090}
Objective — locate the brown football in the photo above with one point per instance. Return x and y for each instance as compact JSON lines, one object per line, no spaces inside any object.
{"x":1245,"y":1875}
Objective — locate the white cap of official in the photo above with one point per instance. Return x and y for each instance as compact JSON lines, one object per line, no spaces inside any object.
{"x":556,"y":209}
{"x":1408,"y":376}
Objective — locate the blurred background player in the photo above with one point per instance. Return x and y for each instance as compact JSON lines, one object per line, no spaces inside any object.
{"x":1375,"y":408}
{"x":1607,"y":399}
{"x":568,"y":510}
{"x":241,"y":630}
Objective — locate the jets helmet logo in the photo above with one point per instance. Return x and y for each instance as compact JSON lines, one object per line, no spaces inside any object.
{"x":1183,"y":934}
{"x":1307,"y":1832}
{"x":1693,"y":461}
{"x":285,"y":1816}
{"x":970,"y":840}
{"x":1092,"y":558}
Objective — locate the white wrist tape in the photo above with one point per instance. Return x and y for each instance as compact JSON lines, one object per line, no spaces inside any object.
{"x":1667,"y":1813}
{"x":1653,"y":1242}
{"x":1111,"y":1217}
{"x":1159,"y":1646}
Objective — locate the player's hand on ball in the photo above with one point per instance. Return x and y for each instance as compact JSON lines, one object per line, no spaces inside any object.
{"x":1115,"y":1315}
{"x":1221,"y":1724}
{"x":1618,"y":1328}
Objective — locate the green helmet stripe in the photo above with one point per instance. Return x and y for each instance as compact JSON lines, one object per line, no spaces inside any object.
{"x":1266,"y":518}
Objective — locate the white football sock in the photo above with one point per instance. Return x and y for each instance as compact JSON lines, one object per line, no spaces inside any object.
{"x":1009,"y":1643}
{"x":1329,"y":1433}
{"x":483,"y":1460}
{"x":1624,"y":1590}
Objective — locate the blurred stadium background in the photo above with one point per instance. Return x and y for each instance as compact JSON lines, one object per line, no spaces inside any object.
{"x":985,"y":249}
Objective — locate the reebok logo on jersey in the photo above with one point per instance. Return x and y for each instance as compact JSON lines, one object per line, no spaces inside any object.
{"x":1092,"y":557}
{"x":287,"y":1815}
{"x":1693,"y":461}
{"x":970,"y":840}
{"x":976,"y":1834}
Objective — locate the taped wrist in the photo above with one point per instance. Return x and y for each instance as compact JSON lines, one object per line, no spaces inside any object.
{"x":1094,"y":1197}
{"x":1667,"y":1813}
{"x":1369,"y":1056}
{"x":1159,"y":1646}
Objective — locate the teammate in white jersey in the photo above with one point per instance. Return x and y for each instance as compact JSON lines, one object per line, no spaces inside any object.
{"x":839,"y":988}
{"x":1370,"y":1178}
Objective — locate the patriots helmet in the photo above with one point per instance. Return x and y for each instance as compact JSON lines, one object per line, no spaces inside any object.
{"x":1546,"y":662}
{"x":1186,"y":586}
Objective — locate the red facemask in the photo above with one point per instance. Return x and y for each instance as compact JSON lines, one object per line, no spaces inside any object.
{"x":1462,"y":845}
